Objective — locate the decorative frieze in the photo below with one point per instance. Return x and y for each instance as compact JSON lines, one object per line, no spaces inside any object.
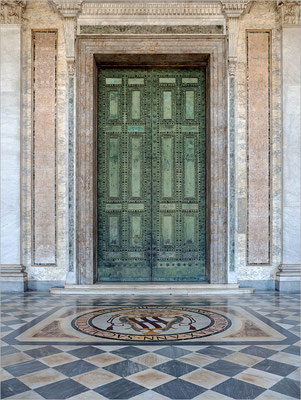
{"x":151,"y":29}
{"x":156,"y":8}
{"x":12,"y":11}
{"x":290,"y":12}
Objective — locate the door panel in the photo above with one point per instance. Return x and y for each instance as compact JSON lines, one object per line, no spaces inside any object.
{"x":124,"y":177}
{"x":152,"y":175}
{"x":178,"y":175}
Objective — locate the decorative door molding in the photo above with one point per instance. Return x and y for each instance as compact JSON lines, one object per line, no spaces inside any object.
{"x":92,"y":48}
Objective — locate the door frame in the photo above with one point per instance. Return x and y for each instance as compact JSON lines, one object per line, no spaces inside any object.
{"x":94,"y":50}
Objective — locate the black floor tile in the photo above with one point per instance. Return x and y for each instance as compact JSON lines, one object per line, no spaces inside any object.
{"x":85,"y":352}
{"x":75,"y":368}
{"x":6,"y":329}
{"x":288,"y":321}
{"x":61,"y":390}
{"x":12,"y":387}
{"x":42,"y":351}
{"x":129,"y":352}
{"x":175,"y":368}
{"x":287,"y":386}
{"x":172,"y":352}
{"x":215,"y":351}
{"x":293,"y":350}
{"x":25,"y":368}
{"x":179,"y":389}
{"x":225,"y":367}
{"x":258,"y":351}
{"x":121,"y":389}
{"x":275,"y":367}
{"x":125,"y":368}
{"x":5,"y":350}
{"x":236,"y":389}
{"x":14,"y":322}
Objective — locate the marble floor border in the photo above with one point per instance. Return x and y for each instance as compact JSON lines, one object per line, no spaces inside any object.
{"x":11,"y":338}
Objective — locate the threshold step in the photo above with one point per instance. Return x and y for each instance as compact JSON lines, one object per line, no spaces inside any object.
{"x":152,"y":288}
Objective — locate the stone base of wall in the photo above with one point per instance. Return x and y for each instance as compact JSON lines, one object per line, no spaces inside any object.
{"x":13,"y":278}
{"x":259,"y":285}
{"x":44,"y":285}
{"x":288,"y":286}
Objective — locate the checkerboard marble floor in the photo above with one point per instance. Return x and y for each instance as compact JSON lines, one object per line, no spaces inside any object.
{"x":153,"y":372}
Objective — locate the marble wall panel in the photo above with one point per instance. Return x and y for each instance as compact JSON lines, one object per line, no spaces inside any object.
{"x":263,"y":16}
{"x":258,"y":147}
{"x":44,"y":146}
{"x":40,"y":16}
{"x":291,"y":42}
{"x":10,"y":36}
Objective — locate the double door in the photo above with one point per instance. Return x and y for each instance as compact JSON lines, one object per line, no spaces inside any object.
{"x":151,"y":175}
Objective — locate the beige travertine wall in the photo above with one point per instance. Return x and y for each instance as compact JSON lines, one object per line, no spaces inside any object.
{"x":40,"y":15}
{"x":262,"y":16}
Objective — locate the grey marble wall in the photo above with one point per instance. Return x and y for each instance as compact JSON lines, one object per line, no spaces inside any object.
{"x":291,"y":44}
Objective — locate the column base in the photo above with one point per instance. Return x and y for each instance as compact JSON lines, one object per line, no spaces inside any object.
{"x":288,"y":278}
{"x":13,"y":278}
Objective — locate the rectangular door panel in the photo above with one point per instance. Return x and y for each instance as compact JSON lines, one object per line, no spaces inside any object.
{"x":178,"y":175}
{"x":124,"y":176}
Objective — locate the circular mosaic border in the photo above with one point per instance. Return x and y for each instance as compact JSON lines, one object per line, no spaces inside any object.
{"x":218,"y":323}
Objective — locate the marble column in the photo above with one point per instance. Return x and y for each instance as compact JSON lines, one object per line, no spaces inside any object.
{"x":12,"y":274}
{"x":288,"y":276}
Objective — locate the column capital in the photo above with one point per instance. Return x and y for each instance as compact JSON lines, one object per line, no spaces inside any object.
{"x":235,"y":8}
{"x":68,"y":8}
{"x":12,"y":11}
{"x":290,"y":12}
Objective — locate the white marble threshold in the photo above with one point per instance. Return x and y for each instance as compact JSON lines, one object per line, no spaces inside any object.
{"x":153,"y":288}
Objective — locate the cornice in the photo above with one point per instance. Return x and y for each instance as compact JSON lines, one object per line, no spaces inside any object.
{"x":154,"y":8}
{"x":12,"y":11}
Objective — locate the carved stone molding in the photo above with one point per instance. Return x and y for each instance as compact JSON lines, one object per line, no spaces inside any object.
{"x":156,"y":8}
{"x":12,"y":11}
{"x":71,"y":66}
{"x":68,"y":8}
{"x":290,"y":12}
{"x":233,"y":10}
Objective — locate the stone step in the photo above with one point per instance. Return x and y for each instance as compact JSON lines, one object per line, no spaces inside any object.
{"x":152,"y":288}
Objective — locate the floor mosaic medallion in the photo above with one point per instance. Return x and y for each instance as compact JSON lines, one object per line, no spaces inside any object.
{"x":150,"y":324}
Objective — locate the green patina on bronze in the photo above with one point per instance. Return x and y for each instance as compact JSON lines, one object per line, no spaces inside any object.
{"x":152,"y":29}
{"x":151,"y":175}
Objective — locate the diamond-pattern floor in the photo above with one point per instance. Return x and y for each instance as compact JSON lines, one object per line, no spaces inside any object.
{"x":150,"y":372}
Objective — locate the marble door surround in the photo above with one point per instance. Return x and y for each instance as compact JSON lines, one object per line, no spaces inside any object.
{"x":195,"y":34}
{"x":198,"y":50}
